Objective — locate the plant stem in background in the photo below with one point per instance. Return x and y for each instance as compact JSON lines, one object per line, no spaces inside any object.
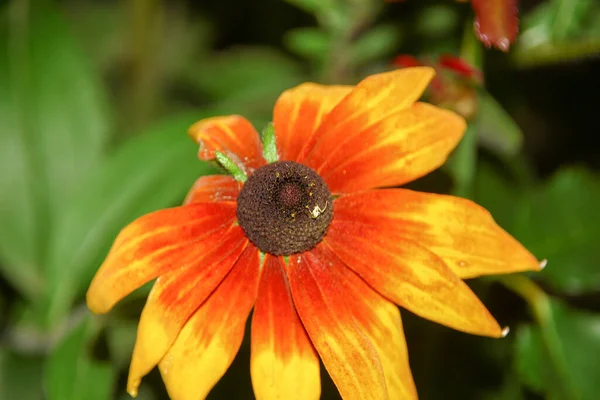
{"x":146,"y":18}
{"x":539,"y":303}
{"x":344,"y":22}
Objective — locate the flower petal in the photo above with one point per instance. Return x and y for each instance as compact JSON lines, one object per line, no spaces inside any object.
{"x":372,"y":100}
{"x":173,"y":299}
{"x":459,"y":231}
{"x":154,"y":244}
{"x":411,"y":276}
{"x":233,"y":136}
{"x":497,"y":22}
{"x":394,"y":150}
{"x":357,"y":333}
{"x":283,"y":362}
{"x":213,"y":188}
{"x":298,"y":113}
{"x":211,"y":338}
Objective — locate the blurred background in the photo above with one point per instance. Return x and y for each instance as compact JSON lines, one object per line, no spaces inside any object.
{"x":95,"y":101}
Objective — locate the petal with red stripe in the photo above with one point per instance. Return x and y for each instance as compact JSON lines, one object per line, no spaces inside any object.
{"x":393,"y":150}
{"x":298,"y":113}
{"x":232,"y":135}
{"x":174,"y":298}
{"x":372,"y":100}
{"x":213,"y":188}
{"x":411,"y":276}
{"x":357,"y":332}
{"x":459,"y":231}
{"x":155,"y":244}
{"x":209,"y":341}
{"x":283,"y":363}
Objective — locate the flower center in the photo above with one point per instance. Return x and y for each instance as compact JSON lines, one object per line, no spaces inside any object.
{"x":284,"y":208}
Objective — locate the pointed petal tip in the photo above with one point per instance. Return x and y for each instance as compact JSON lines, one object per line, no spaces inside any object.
{"x":543,"y":264}
{"x":505,"y":332}
{"x":132,"y":389}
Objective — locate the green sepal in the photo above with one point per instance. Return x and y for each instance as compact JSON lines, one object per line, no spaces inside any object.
{"x":231,"y":167}
{"x":269,"y":144}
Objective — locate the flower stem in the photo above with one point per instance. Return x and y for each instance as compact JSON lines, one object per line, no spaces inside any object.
{"x":541,"y":307}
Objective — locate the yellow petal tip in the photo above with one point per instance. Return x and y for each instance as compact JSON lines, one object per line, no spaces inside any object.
{"x":132,"y":387}
{"x":505,"y":331}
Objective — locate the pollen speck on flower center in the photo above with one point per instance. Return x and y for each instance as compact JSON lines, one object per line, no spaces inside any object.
{"x":284,"y":208}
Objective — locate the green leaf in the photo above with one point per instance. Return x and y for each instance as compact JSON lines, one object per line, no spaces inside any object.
{"x":560,"y":222}
{"x":20,"y":376}
{"x":375,"y":44}
{"x":311,"y":43}
{"x":245,"y":80}
{"x":463,"y":163}
{"x":495,"y":191}
{"x":120,"y":338}
{"x":53,"y":127}
{"x":71,"y":374}
{"x":496,"y":129}
{"x":151,"y":171}
{"x":559,"y":359}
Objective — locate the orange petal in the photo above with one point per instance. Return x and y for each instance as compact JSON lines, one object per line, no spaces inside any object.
{"x":357,"y":333}
{"x":372,"y":100}
{"x":233,"y":136}
{"x":213,"y":188}
{"x":212,"y":337}
{"x":394,"y":150}
{"x":411,"y":276}
{"x":298,"y":113}
{"x":155,"y":244}
{"x":283,"y":363}
{"x":173,"y":299}
{"x":459,"y":231}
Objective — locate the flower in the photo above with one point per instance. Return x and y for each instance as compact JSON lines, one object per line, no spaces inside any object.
{"x":309,"y":241}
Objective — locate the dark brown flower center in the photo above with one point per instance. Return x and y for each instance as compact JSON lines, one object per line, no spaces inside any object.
{"x":284,"y":208}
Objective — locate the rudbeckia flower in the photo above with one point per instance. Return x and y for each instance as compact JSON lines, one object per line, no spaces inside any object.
{"x":316,"y":240}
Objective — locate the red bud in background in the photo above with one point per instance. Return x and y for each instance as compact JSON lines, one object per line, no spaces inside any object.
{"x":496,"y":22}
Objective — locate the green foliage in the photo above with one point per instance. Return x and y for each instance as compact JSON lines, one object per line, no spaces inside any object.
{"x":559,"y":221}
{"x":71,"y":374}
{"x":565,"y":369}
{"x":558,"y":31}
{"x":496,"y":129}
{"x":53,"y":127}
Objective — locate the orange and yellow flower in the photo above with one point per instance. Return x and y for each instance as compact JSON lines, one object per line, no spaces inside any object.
{"x":314,"y":245}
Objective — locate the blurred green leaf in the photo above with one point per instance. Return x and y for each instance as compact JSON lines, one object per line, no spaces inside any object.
{"x":152,"y":170}
{"x":496,"y":129}
{"x":558,"y":31}
{"x":311,"y":43}
{"x":377,"y":43}
{"x":463,"y":163}
{"x":120,"y":337}
{"x":314,"y":7}
{"x":560,"y":222}
{"x":245,"y":80}
{"x":53,"y":127}
{"x":70,"y":373}
{"x":20,"y":376}
{"x":437,"y":20}
{"x":494,"y":190}
{"x":578,"y":337}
